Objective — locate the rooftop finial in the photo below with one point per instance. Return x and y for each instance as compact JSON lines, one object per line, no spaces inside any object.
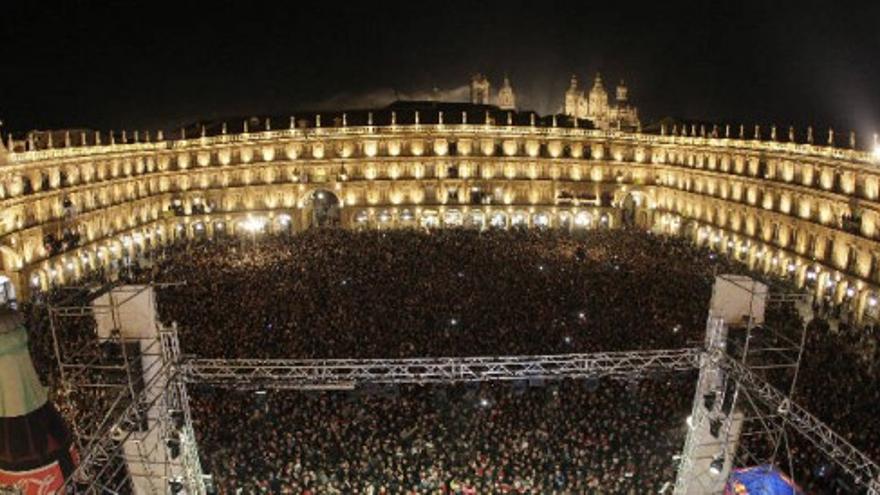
{"x":742,"y":131}
{"x":112,"y":137}
{"x":554,"y":120}
{"x":417,"y":117}
{"x":758,"y":131}
{"x":67,"y":143}
{"x":791,"y":133}
{"x":463,"y":117}
{"x":203,"y":131}
{"x":393,"y":117}
{"x":440,"y":117}
{"x":292,"y":122}
{"x":662,"y":129}
{"x":160,"y":135}
{"x":852,"y":139}
{"x":370,"y":118}
{"x":82,"y":138}
{"x":136,"y":136}
{"x":510,"y":119}
{"x":830,"y":136}
{"x":810,"y":134}
{"x":49,"y":140}
{"x":268,"y":124}
{"x":223,"y":129}
{"x":10,"y":144}
{"x":726,"y":131}
{"x":97,"y":138}
{"x":124,"y":136}
{"x":773,"y":132}
{"x":344,"y":120}
{"x":244,"y":128}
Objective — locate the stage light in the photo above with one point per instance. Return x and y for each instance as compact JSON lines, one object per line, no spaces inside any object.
{"x":484,"y":402}
{"x":676,"y":328}
{"x":709,"y":400}
{"x":582,"y":315}
{"x":715,"y":427}
{"x":717,"y":465}
{"x":453,"y":321}
{"x":567,"y":339}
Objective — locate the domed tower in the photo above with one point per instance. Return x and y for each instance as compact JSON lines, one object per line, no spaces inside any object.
{"x":621,"y":93}
{"x":571,"y":97}
{"x":480,"y":89}
{"x":506,"y":97}
{"x":36,"y":452}
{"x":598,"y":99}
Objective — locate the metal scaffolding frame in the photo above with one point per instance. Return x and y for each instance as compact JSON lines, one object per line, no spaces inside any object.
{"x":111,"y":398}
{"x":346,"y":373}
{"x":102,"y":463}
{"x":783,"y":412}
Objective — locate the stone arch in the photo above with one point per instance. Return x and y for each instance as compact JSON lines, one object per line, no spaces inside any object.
{"x":323,"y":207}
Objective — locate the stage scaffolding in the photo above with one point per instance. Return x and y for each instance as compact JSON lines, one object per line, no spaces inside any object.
{"x":129,"y":398}
{"x":346,"y":373}
{"x":122,"y":396}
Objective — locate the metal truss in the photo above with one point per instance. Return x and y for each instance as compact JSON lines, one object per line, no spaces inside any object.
{"x":346,"y":373}
{"x":784,"y":412}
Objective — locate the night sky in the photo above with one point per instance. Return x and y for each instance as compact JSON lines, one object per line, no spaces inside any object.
{"x":157,"y":65}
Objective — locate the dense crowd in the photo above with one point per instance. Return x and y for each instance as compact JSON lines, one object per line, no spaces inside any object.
{"x":332,"y":293}
{"x":566,"y":437}
{"x":336,"y":293}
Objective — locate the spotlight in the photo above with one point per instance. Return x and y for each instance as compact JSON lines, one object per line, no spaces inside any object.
{"x":175,"y":486}
{"x":676,"y":328}
{"x":484,"y":402}
{"x":709,"y":400}
{"x":173,"y":447}
{"x":453,"y":321}
{"x":715,"y":427}
{"x":717,"y":465}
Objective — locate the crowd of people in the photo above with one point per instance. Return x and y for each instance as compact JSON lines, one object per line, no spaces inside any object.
{"x":337,"y":293}
{"x":567,"y":437}
{"x":332,"y":293}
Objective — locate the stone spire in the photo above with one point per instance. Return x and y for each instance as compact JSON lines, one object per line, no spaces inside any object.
{"x":810,"y":134}
{"x":506,"y":96}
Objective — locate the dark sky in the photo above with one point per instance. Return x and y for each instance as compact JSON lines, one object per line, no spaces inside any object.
{"x":154,"y":64}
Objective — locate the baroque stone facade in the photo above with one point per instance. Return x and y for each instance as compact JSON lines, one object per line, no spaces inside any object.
{"x":797,"y":210}
{"x":595,"y":106}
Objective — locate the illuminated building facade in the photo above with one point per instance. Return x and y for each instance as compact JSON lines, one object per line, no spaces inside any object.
{"x":595,"y":106}
{"x":798,"y":210}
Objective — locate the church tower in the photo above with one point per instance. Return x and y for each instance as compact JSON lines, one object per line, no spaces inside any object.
{"x":621,"y":93}
{"x":506,"y":97}
{"x":598,"y":99}
{"x":480,"y":89}
{"x":571,"y":97}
